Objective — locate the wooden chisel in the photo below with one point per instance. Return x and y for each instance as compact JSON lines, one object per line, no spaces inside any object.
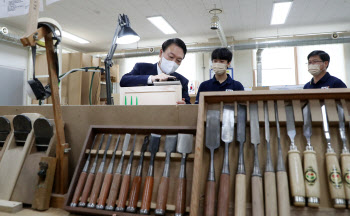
{"x":99,"y":177}
{"x":269,"y":175}
{"x":227,"y":133}
{"x":257,"y":188}
{"x":282,"y":179}
{"x":82,"y":178}
{"x":240,"y":184}
{"x":345,"y":155}
{"x":90,"y":179}
{"x":107,"y":181}
{"x":296,"y":179}
{"x":312,"y":183}
{"x":335,"y":182}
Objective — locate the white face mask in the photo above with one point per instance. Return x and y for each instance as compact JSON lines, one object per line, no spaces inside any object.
{"x":167,"y":66}
{"x":219,"y":68}
{"x":314,"y":69}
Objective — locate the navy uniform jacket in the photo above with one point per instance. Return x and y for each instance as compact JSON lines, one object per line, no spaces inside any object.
{"x":140,"y":73}
{"x":327,"y":81}
{"x":213,"y":85}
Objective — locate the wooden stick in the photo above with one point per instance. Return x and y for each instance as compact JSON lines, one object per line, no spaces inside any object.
{"x":223,"y":197}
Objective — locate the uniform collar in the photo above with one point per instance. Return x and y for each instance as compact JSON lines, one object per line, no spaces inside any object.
{"x":322,"y":80}
{"x":228,"y":80}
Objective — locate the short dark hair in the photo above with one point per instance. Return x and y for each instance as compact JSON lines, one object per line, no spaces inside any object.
{"x":176,"y":41}
{"x":222,"y":53}
{"x":322,"y":54}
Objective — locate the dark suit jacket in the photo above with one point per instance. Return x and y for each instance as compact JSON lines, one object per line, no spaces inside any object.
{"x":140,"y":73}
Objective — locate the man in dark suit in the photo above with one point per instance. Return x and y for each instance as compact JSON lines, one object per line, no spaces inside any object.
{"x":171,"y":55}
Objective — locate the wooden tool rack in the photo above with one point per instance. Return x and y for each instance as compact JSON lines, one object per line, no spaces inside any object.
{"x":216,"y":100}
{"x":158,"y":165}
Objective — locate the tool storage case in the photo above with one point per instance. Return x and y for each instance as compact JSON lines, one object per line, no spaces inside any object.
{"x":141,"y":132}
{"x":298,"y":98}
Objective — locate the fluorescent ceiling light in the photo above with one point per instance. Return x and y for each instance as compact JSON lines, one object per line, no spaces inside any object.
{"x":162,"y":24}
{"x":73,"y":37}
{"x":280,"y":12}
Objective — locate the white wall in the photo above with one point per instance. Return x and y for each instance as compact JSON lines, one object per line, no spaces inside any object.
{"x":243,"y":68}
{"x":347,"y":64}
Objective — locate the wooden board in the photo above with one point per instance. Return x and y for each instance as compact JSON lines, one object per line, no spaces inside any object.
{"x":74,"y":79}
{"x":26,"y":184}
{"x":85,"y":79}
{"x":10,"y":206}
{"x":12,"y":161}
{"x":2,"y":150}
{"x":151,"y":95}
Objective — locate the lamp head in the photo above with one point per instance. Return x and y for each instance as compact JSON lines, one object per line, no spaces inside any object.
{"x":126,"y":34}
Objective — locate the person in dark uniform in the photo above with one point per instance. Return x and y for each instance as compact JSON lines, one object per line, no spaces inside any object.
{"x":318,"y":62}
{"x":171,"y":55}
{"x":221,"y":59}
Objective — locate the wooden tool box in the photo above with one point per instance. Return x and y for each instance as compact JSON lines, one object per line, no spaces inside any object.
{"x":216,"y":100}
{"x":158,"y":165}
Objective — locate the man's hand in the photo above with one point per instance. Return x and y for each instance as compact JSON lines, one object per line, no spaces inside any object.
{"x":161,"y":77}
{"x":181,"y":101}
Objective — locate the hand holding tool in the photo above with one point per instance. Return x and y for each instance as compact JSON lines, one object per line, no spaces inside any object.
{"x":212,"y":142}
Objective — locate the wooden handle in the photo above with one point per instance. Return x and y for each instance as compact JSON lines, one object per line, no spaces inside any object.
{"x":345,"y":165}
{"x":311,"y":177}
{"x":79,"y":188}
{"x":210,"y":199}
{"x":113,"y":193}
{"x":87,"y":188}
{"x":162,"y":196}
{"x":180,"y":205}
{"x":296,"y":177}
{"x":96,"y":188}
{"x":240,"y":195}
{"x":270,"y":194}
{"x":105,"y":189}
{"x":147,"y":193}
{"x":223,"y":197}
{"x":257,"y":196}
{"x":335,"y":183}
{"x":135,"y":191}
{"x":283,"y":194}
{"x":123,"y":194}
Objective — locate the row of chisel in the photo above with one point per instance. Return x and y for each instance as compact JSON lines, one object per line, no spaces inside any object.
{"x":304,"y":183}
{"x":106,"y":191}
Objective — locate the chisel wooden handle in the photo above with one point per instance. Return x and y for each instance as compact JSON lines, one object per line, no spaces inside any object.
{"x":79,"y":189}
{"x":87,"y":189}
{"x":345,"y":165}
{"x":134,"y":193}
{"x":105,"y":189}
{"x":336,"y":188}
{"x":283,"y":194}
{"x":147,"y":194}
{"x":257,"y":196}
{"x":240,"y":195}
{"x":270,"y":193}
{"x":162,"y":196}
{"x":180,"y":205}
{"x":95,"y":190}
{"x":113,"y":193}
{"x":210,"y":199}
{"x":296,"y":177}
{"x":123,"y":194}
{"x":312,"y":183}
{"x":223,"y":197}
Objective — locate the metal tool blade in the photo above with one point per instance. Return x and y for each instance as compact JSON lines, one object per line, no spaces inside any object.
{"x":185,"y":143}
{"x":212,"y":135}
{"x":228,"y":124}
{"x":107,"y":147}
{"x":307,"y":127}
{"x":170,"y":144}
{"x":22,"y":126}
{"x":290,"y":125}
{"x":154,"y":143}
{"x":5,"y":128}
{"x":144,"y":145}
{"x":241,"y":122}
{"x":133,"y":146}
{"x":277,"y":123}
{"x":326,"y":128}
{"x":126,"y":142}
{"x":93,"y":168}
{"x":43,"y":131}
{"x":267,"y":123}
{"x":254,"y":123}
{"x":342,"y":126}
{"x":280,"y":163}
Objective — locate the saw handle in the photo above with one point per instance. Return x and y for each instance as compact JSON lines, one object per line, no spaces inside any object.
{"x":283,"y":194}
{"x":336,"y":188}
{"x":105,"y":189}
{"x":223,"y":197}
{"x":147,"y":193}
{"x":79,"y":188}
{"x":124,"y":189}
{"x":345,"y":165}
{"x":163,"y":193}
{"x":296,"y":176}
{"x":134,"y":192}
{"x":87,"y":189}
{"x":240,"y":195}
{"x":270,"y":193}
{"x":210,"y":199}
{"x":257,"y":196}
{"x":180,"y":205}
{"x":311,"y":177}
{"x":113,"y":193}
{"x":96,"y":188}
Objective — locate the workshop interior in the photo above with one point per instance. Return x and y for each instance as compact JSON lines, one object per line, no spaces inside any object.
{"x":185,"y":108}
